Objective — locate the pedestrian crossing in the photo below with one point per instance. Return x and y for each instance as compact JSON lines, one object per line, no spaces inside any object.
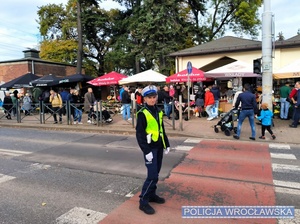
{"x":188,"y":144}
{"x":284,"y":164}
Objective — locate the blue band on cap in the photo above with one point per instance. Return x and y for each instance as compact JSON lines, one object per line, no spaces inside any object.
{"x":150,"y":91}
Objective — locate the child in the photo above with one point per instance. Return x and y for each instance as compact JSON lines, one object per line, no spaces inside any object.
{"x":266,"y":119}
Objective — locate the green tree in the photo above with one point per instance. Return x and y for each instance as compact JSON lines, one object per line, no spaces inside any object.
{"x":212,"y":18}
{"x":159,"y":30}
{"x":280,"y":36}
{"x":60,"y":23}
{"x":142,"y":35}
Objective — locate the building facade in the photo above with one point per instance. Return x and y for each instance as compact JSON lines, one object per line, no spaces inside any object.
{"x":32,"y":63}
{"x":225,"y":50}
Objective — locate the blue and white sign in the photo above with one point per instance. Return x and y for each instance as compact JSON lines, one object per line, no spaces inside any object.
{"x":189,"y":67}
{"x":283,"y":212}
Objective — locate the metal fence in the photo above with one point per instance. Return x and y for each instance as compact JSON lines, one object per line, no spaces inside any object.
{"x":43,"y":112}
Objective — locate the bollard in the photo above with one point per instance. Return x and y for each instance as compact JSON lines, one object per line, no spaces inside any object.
{"x":173,"y":115}
{"x":101,"y":113}
{"x":180,"y":113}
{"x":18,"y":111}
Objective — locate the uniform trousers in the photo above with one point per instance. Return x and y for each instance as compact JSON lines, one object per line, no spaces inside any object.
{"x":153,"y":169}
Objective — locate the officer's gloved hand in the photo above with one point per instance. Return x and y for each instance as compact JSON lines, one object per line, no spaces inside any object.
{"x":167,"y":150}
{"x":149,"y":157}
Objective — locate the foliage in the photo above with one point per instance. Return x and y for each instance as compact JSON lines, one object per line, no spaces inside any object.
{"x":280,"y":36}
{"x":143,"y":33}
{"x":59,"y":50}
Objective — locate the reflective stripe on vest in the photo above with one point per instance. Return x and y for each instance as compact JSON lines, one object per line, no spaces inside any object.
{"x":152,"y":126}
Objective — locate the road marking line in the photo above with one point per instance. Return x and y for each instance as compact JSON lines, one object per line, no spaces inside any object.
{"x":183,"y":148}
{"x":129,"y":195}
{"x":279,"y":146}
{"x":284,"y":190}
{"x":10,"y":152}
{"x":193,"y":140}
{"x":291,"y":221}
{"x":81,"y":215}
{"x":282,"y":168}
{"x":283,"y":156}
{"x":4,"y":178}
{"x":287,"y":184}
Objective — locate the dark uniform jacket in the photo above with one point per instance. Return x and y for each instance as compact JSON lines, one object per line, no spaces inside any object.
{"x":141,"y":134}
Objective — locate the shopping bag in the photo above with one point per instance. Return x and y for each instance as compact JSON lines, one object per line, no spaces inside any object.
{"x":214,"y":112}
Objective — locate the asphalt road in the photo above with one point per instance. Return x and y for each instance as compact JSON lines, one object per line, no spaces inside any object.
{"x":46,"y":174}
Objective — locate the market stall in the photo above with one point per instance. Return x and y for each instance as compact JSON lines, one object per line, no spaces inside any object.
{"x":146,"y":77}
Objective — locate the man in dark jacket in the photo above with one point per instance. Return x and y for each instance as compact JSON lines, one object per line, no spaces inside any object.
{"x":126,"y":102}
{"x":216,"y":92}
{"x":7,"y":105}
{"x":89,"y":100}
{"x":249,"y":108}
{"x":167,"y":100}
{"x":296,"y":108}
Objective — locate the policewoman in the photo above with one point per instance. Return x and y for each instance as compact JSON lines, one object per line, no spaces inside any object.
{"x":153,"y":141}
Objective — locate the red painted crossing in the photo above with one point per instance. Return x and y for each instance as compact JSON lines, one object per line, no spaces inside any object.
{"x":214,"y":173}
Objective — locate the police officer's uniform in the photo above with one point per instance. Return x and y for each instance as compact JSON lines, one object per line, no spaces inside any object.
{"x":150,"y":122}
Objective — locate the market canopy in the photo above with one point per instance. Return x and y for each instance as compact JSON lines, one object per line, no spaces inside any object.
{"x":182,"y":76}
{"x":20,"y":82}
{"x":75,"y":78}
{"x":233,"y":70}
{"x":148,"y":76}
{"x":291,"y":70}
{"x":47,"y":80}
{"x":111,"y":78}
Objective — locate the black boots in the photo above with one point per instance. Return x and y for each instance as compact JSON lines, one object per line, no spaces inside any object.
{"x":147,"y":209}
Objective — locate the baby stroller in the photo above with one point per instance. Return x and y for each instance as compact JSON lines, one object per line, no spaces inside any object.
{"x":106,"y":118}
{"x":227,"y":122}
{"x":184,"y":110}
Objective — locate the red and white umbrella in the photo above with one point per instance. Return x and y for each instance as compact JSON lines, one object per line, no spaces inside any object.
{"x":182,"y":76}
{"x":111,"y":78}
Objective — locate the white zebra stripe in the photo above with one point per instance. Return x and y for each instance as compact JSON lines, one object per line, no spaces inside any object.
{"x":193,"y":140}
{"x":279,"y":146}
{"x":283,"y":156}
{"x":287,"y":184}
{"x":183,"y":148}
{"x":283,"y":168}
{"x":284,"y":190}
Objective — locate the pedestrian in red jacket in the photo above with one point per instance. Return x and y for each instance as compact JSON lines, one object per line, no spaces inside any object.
{"x":209,"y":103}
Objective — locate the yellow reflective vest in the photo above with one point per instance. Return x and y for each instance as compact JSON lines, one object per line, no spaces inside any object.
{"x":152,"y":126}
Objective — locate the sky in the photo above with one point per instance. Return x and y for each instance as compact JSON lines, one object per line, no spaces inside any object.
{"x":19,"y":29}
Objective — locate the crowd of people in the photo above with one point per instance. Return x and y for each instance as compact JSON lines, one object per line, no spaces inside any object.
{"x":204,"y":103}
{"x":55,"y":102}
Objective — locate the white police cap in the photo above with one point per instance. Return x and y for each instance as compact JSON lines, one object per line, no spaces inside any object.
{"x":149,"y":91}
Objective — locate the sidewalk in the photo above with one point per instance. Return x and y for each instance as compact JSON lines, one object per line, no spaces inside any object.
{"x":195,"y":127}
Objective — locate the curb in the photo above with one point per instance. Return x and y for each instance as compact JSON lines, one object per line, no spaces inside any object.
{"x":121,"y":130}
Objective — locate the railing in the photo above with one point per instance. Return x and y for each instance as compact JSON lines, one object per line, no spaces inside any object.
{"x":42,"y":112}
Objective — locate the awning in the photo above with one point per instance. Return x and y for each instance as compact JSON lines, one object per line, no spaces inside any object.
{"x":233,"y":70}
{"x":111,"y":78}
{"x":148,"y":76}
{"x":291,"y":70}
{"x":182,"y":76}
